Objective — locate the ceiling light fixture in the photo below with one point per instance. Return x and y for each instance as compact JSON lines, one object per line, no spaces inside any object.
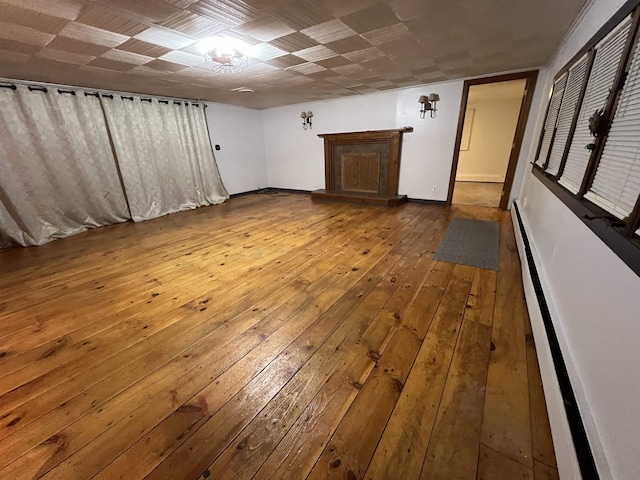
{"x":224,"y":55}
{"x":428,"y":104}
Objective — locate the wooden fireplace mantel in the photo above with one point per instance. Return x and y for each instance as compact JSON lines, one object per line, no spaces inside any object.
{"x":363,"y":167}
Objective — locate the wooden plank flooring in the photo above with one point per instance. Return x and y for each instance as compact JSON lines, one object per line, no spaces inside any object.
{"x":269,"y":338}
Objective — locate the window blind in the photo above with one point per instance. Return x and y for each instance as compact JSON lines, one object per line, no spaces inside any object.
{"x":606,"y":63}
{"x":616,"y":185}
{"x":552,"y":117}
{"x":568,"y":107}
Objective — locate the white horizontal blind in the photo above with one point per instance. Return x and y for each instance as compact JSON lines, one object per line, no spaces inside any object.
{"x":552,"y":117}
{"x":605,"y":65}
{"x":570,"y":100}
{"x":616,"y":185}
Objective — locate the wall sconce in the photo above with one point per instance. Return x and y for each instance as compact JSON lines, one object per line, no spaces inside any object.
{"x":306,"y":119}
{"x":429,"y":104}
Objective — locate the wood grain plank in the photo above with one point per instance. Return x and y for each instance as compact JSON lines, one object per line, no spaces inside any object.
{"x":455,"y":440}
{"x":506,"y":426}
{"x":402,"y":447}
{"x":265,"y":345}
{"x":493,"y":465}
{"x":296,"y":454}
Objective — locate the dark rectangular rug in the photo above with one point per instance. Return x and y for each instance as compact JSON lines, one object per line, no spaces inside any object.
{"x":470,"y":242}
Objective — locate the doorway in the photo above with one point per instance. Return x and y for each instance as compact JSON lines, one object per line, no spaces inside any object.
{"x":493,"y":116}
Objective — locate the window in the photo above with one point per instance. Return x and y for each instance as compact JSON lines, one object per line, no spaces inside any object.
{"x":608,"y":54}
{"x":550,"y":121}
{"x":567,"y":112}
{"x":589,"y":150}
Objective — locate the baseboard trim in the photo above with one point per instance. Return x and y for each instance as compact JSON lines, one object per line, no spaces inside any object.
{"x":573,"y":451}
{"x":480,"y":178}
{"x":427,"y":202}
{"x":268,"y":190}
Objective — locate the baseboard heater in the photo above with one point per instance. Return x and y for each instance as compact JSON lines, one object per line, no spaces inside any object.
{"x":561,"y":384}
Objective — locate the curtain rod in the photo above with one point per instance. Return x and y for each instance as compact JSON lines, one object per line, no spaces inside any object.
{"x":43,"y":86}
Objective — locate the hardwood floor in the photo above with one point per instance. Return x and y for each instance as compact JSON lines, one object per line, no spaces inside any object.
{"x":269,"y":338}
{"x":480,"y":194}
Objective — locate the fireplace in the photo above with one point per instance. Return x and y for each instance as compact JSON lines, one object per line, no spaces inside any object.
{"x":363,"y":167}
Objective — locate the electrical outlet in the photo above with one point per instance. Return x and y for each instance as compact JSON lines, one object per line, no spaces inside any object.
{"x":435,"y":188}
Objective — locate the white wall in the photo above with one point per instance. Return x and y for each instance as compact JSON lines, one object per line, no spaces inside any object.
{"x":241,"y":158}
{"x":493,"y":127}
{"x":295,"y":157}
{"x":592,"y":297}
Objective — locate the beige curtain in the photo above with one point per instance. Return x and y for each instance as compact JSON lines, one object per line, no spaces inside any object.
{"x":58,"y":176}
{"x":164,"y":154}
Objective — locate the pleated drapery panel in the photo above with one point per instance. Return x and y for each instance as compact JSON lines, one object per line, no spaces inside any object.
{"x":164,"y":154}
{"x":58,"y":176}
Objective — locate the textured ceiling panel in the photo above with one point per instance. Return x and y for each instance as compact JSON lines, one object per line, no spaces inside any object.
{"x":68,"y":9}
{"x":143,"y":48}
{"x":165,"y":38}
{"x":302,"y":50}
{"x":193,"y":25}
{"x":102,"y":18}
{"x":89,"y":34}
{"x":329,"y":31}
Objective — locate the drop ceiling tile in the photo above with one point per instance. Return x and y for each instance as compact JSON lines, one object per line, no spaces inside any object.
{"x":181,"y":3}
{"x":294,"y":42}
{"x":31,"y":18}
{"x":332,"y":62}
{"x":297,"y":80}
{"x":126,"y":57}
{"x":381,"y":83}
{"x":314,"y":54}
{"x":306,"y":68}
{"x":353,"y":71}
{"x":17,"y":47}
{"x":165,"y":66}
{"x":301,"y":14}
{"x":67,"y":9}
{"x":148,"y":72}
{"x":408,"y":9}
{"x":379,"y":16}
{"x":7,"y":56}
{"x":387,"y":34}
{"x":183,"y":58}
{"x":89,"y":34}
{"x":228,"y":12}
{"x":340,"y":8}
{"x":322,"y":74}
{"x":286,"y":61}
{"x":258,"y":68}
{"x":102,"y":18}
{"x":266,"y":51}
{"x":149,"y":11}
{"x":265,"y":28}
{"x":165,"y":38}
{"x":102,"y":62}
{"x":349,"y":44}
{"x":342,"y":81}
{"x":365,"y":55}
{"x":18,"y":33}
{"x":76,"y":46}
{"x":193,"y":25}
{"x":143,"y":48}
{"x":64,"y":56}
{"x":330,"y":31}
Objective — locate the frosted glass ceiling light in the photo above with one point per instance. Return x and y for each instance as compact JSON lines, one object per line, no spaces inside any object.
{"x":224,"y":56}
